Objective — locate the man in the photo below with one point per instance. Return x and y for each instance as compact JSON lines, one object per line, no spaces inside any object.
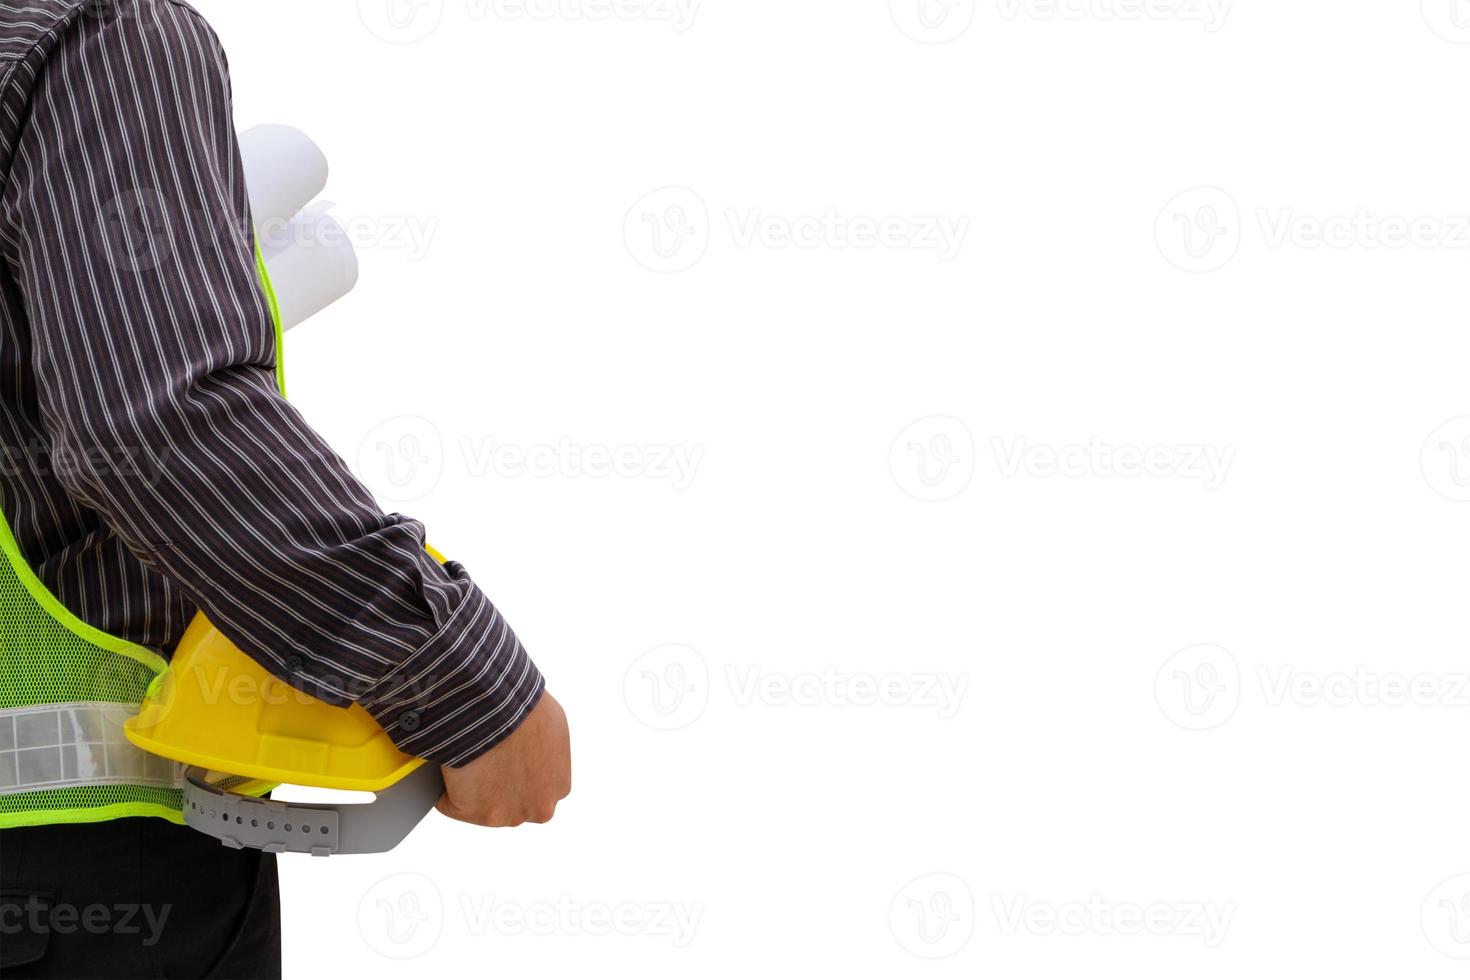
{"x":152,"y":470}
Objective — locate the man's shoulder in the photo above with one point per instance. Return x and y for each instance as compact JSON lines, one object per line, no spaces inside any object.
{"x":27,"y":25}
{"x":35,"y":34}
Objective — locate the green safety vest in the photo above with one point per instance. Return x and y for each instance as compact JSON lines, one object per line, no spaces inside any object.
{"x":65,"y":691}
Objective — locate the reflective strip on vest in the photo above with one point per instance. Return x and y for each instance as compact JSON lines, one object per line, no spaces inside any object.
{"x":81,"y":743}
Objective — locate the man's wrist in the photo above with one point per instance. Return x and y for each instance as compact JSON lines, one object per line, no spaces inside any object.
{"x":462,"y":692}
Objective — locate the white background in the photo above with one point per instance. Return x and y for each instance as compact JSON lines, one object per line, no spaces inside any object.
{"x":1208,"y":719}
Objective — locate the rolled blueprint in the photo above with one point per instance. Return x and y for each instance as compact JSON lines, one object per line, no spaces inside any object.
{"x":284,"y":172}
{"x":311,"y":267}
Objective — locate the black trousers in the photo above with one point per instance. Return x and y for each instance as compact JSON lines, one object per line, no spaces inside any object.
{"x":139,"y":897}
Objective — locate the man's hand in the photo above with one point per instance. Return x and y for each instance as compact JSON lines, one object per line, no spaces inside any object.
{"x":519,"y":780}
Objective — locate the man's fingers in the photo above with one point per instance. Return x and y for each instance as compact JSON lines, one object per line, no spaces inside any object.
{"x":502,"y":818}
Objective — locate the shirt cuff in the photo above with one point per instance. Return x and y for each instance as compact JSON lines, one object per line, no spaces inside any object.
{"x":462,"y":692}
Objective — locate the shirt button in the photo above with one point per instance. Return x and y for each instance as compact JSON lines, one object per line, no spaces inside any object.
{"x":294,"y":664}
{"x":409,"y":721}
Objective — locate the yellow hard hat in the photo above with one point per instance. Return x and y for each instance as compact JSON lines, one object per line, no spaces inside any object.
{"x":242,"y":731}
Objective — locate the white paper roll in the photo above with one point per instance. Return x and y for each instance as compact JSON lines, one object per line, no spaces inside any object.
{"x":284,"y":171}
{"x":313,"y":268}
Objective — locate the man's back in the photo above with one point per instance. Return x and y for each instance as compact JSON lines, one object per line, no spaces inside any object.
{"x":73,"y":550}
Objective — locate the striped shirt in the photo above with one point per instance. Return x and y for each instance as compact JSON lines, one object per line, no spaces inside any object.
{"x":150,"y":466}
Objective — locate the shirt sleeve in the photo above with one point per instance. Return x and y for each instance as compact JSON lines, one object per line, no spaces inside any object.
{"x":126,"y":225}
